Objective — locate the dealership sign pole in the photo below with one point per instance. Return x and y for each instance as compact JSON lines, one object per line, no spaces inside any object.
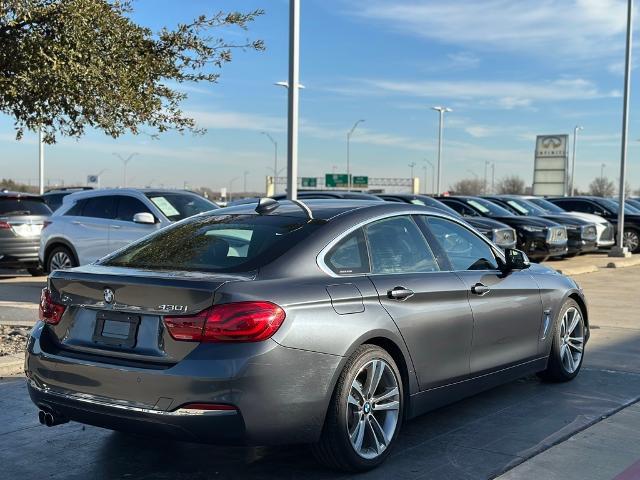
{"x":293,"y":90}
{"x":619,"y":250}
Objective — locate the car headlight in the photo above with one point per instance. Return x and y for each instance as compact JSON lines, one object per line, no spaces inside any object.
{"x":532,"y":228}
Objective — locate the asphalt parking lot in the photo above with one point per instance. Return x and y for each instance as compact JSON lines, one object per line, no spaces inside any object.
{"x":478,"y":438}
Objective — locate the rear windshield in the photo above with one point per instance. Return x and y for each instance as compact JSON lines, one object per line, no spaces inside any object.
{"x":10,"y":206}
{"x":178,"y":206}
{"x":216,"y":243}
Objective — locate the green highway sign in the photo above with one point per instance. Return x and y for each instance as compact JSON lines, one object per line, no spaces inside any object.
{"x":309,"y":182}
{"x":336,"y":180}
{"x":360,"y":182}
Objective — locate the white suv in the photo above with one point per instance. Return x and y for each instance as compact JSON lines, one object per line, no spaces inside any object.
{"x":91,"y":224}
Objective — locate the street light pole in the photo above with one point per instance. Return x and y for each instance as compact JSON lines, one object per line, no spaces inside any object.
{"x":493,"y":177}
{"x":424,"y":171}
{"x":619,"y":250}
{"x":125,"y":161}
{"x":576,"y":129}
{"x":441,"y":111}
{"x":485,"y":184}
{"x":275,"y":161}
{"x":602,"y":170}
{"x":231,"y":188}
{"x":40,"y":162}
{"x":433,"y":177}
{"x":411,"y":166}
{"x":293,"y":103}
{"x":349,"y":133}
{"x":245,"y":181}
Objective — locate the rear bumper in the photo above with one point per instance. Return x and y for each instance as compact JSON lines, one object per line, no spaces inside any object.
{"x":281,"y":393}
{"x":221,"y":427}
{"x":17,"y":253}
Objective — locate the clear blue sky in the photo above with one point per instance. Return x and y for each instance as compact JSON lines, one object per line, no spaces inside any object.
{"x":510,"y":69}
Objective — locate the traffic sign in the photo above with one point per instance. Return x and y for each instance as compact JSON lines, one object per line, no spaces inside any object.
{"x":336,"y":180}
{"x":360,"y":182}
{"x":309,"y":182}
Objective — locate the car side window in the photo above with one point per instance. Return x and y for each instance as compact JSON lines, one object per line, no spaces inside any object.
{"x":76,"y":210}
{"x":128,"y":207}
{"x":349,"y":256}
{"x":465,"y":250}
{"x":100,"y":207}
{"x":396,"y":245}
{"x":460,"y":207}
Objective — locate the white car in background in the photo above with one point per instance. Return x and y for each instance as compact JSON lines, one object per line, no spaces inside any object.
{"x":605,"y":230}
{"x":94,"y":223}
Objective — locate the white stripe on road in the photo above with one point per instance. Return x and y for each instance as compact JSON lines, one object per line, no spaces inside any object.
{"x":25,"y":305}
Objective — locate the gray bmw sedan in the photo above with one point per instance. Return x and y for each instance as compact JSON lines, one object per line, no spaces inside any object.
{"x":328,"y":322}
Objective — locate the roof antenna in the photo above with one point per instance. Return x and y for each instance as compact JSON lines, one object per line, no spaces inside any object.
{"x":304,"y":207}
{"x":266,"y":205}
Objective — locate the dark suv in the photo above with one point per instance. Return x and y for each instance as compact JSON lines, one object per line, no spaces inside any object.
{"x":22,"y":217}
{"x":538,"y":237}
{"x":582,"y":235}
{"x":608,"y":209}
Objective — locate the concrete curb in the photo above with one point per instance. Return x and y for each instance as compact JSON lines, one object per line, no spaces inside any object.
{"x":12,"y":364}
{"x":624,"y":262}
{"x":577,"y":270}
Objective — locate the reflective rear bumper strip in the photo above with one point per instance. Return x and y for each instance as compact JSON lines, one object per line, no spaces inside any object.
{"x":91,"y":400}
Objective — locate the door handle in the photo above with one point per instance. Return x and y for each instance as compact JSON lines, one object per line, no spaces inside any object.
{"x":399,"y":293}
{"x":76,"y":222}
{"x":480,"y":289}
{"x":115,"y":226}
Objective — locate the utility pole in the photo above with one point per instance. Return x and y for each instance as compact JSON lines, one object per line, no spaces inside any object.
{"x":493,"y":177}
{"x":40,"y":162}
{"x":125,"y":162}
{"x":620,"y":250}
{"x":293,"y":96}
{"x":411,"y":166}
{"x":441,"y":111}
{"x":275,"y":162}
{"x":349,"y":134}
{"x":576,"y":129}
{"x":433,"y":178}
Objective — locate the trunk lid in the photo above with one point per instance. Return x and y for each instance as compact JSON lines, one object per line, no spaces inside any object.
{"x":116,"y":314}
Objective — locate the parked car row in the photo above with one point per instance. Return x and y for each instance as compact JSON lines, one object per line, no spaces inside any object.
{"x":88,"y":224}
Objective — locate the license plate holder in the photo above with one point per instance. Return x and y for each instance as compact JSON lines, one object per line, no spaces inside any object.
{"x":116,"y":329}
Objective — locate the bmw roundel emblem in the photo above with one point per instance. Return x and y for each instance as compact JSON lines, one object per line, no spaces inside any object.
{"x":109,"y":296}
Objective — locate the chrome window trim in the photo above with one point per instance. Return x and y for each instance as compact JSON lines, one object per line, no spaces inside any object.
{"x":90,"y":399}
{"x":320,"y":258}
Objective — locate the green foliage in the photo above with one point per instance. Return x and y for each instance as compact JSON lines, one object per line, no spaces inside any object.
{"x":66,"y":65}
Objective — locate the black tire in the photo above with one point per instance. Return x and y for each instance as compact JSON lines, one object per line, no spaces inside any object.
{"x":334,"y":449}
{"x":36,"y":271}
{"x":60,"y":249}
{"x":557,"y":370}
{"x":635,"y":235}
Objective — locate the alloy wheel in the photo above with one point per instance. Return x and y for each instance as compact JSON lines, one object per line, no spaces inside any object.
{"x":631,"y":240}
{"x":373,"y":409}
{"x":571,"y":339}
{"x":60,"y":261}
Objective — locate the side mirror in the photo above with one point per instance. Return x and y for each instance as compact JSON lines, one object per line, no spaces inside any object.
{"x":144,"y":217}
{"x":515,"y":260}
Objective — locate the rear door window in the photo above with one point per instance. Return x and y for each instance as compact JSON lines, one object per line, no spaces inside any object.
{"x":100,"y":207}
{"x":349,"y":256}
{"x":396,"y":245}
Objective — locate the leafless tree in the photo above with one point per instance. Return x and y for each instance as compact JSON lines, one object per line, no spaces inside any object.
{"x":512,"y":184}
{"x":602,"y":187}
{"x":468,"y":186}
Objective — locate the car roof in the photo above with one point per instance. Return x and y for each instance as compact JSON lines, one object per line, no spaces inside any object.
{"x":333,"y":193}
{"x":10,"y":194}
{"x":324,"y":209}
{"x":123,"y":191}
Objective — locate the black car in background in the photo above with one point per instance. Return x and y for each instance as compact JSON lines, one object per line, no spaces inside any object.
{"x":538,"y":237}
{"x":53,"y":198}
{"x":502,"y":235}
{"x":582,"y":235}
{"x":22,"y":217}
{"x":608,"y":209}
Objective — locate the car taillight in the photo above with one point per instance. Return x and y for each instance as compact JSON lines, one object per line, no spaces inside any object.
{"x":229,"y":322}
{"x":4,"y":226}
{"x":50,"y":311}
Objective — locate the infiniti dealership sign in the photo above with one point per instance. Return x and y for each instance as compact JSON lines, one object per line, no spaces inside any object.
{"x":550,"y":167}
